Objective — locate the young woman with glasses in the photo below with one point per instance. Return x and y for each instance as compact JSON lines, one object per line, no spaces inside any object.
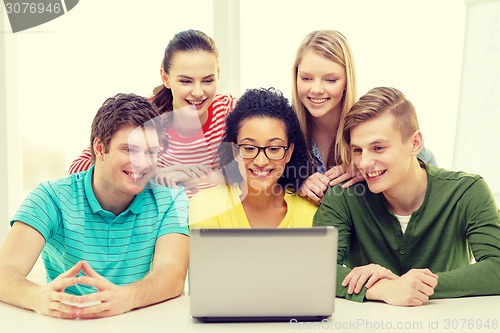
{"x":264,"y":158}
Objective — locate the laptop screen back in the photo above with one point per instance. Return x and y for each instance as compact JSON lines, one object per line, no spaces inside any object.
{"x":263,"y":273}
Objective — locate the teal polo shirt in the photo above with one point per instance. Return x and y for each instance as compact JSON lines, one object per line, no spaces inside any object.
{"x":75,"y":227}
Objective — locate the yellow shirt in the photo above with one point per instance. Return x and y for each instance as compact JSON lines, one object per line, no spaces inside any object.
{"x":221,"y":207}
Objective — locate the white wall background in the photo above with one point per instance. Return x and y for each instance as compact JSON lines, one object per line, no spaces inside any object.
{"x":479,"y":111}
{"x":415,"y":46}
{"x":58,"y":74}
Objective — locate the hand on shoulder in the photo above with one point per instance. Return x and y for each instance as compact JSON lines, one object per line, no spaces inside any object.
{"x":316,"y":185}
{"x":181,"y":174}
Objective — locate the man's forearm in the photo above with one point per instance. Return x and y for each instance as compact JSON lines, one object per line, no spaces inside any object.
{"x":15,"y":289}
{"x":411,"y":289}
{"x":162,"y":283}
{"x":481,"y":278}
{"x":376,"y":292}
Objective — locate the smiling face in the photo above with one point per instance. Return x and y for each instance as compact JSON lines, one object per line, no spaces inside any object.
{"x":261,"y":174}
{"x":384,"y":159}
{"x":193,"y":77}
{"x":320,"y":84}
{"x":129,"y":163}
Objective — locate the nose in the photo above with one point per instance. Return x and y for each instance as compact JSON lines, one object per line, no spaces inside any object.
{"x":141,"y":160}
{"x":365,"y":161}
{"x":261,"y":159}
{"x":197,"y":91}
{"x":317,"y":87}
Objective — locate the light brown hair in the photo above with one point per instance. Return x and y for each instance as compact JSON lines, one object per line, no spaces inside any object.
{"x":372,"y":105}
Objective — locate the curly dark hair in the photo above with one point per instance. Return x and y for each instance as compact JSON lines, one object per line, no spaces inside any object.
{"x":266,"y":103}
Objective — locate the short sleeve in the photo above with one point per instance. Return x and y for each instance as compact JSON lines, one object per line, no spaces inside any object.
{"x":175,"y":218}
{"x":40,"y":210}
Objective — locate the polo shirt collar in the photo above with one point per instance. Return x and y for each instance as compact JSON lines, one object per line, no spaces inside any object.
{"x":136,"y":204}
{"x":94,"y":204}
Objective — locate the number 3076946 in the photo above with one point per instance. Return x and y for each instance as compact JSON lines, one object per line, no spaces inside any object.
{"x":32,"y":7}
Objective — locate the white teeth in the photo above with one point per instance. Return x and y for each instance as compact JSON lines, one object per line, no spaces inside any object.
{"x":135,"y":175}
{"x":318,"y":100}
{"x":195,"y":102}
{"x":375,"y":173}
{"x":260,"y":173}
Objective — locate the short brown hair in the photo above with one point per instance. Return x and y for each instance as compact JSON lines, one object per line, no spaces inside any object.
{"x":373,"y":104}
{"x":123,"y":110}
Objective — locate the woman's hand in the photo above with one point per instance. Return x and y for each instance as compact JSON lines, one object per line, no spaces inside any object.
{"x":176,"y":174}
{"x":316,"y":185}
{"x":351,"y":173}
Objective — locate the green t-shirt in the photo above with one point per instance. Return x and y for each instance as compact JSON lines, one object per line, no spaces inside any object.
{"x":457,"y":220}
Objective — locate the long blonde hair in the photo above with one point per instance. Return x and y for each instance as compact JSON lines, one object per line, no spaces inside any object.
{"x":333,"y":46}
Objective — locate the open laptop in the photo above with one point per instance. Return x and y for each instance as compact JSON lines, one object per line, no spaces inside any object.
{"x":263,"y":274}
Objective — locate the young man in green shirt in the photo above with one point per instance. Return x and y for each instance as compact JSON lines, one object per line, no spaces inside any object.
{"x":410,"y":231}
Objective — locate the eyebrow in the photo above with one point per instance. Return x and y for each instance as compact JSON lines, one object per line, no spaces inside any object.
{"x":270,"y":140}
{"x":189,"y":77}
{"x":308,"y":73}
{"x":378,"y":141}
{"x":137,"y":146}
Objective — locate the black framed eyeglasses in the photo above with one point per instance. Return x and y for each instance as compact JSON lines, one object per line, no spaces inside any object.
{"x":274,"y":153}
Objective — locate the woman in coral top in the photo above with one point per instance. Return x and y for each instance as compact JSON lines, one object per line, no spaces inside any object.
{"x":195,"y":113}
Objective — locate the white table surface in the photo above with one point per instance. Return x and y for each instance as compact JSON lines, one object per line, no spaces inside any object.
{"x":471,"y":314}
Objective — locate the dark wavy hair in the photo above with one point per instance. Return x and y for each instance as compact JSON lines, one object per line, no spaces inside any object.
{"x":184,"y":41}
{"x":266,"y":103}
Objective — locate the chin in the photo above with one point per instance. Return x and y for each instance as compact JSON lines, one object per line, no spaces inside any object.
{"x":135,"y":189}
{"x":267,"y":189}
{"x":317,"y":113}
{"x":376,"y":188}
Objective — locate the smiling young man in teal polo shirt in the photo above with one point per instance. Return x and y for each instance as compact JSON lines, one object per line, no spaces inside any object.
{"x":111,"y":239}
{"x":410,"y":231}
